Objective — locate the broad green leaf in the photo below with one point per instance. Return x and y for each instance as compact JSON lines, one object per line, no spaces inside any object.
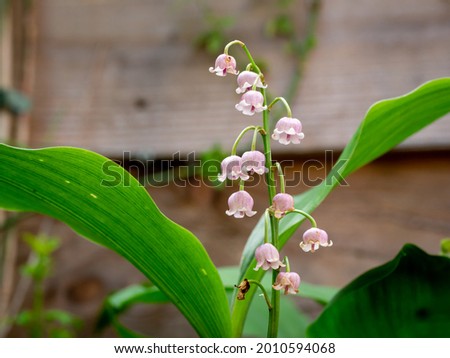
{"x":386,"y":124}
{"x":105,"y":204}
{"x":407,"y":297}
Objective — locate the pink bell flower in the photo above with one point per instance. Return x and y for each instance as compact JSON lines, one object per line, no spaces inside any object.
{"x":254,"y":162}
{"x":231,"y":169}
{"x":314,"y":238}
{"x":288,"y":130}
{"x":240,"y":204}
{"x":246,"y":80}
{"x":267,"y":257}
{"x":282,"y":203}
{"x":224,"y":64}
{"x":251,"y":103}
{"x":287,"y":281}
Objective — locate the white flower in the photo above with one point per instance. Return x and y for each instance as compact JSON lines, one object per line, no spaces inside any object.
{"x":224,"y":64}
{"x":246,"y":80}
{"x":288,"y":130}
{"x":240,"y":204}
{"x":251,"y":103}
{"x":313,"y":239}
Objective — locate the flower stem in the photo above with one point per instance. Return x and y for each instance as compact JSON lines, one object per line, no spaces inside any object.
{"x":241,"y":185}
{"x":255,"y":137}
{"x":266,"y":297}
{"x":286,"y":105}
{"x":266,"y":226}
{"x":288,"y":266}
{"x":274,"y":314}
{"x":281,"y":176}
{"x":238,"y":139}
{"x":305,"y":214}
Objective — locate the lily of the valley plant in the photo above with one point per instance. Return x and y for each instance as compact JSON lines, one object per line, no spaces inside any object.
{"x":288,"y":130}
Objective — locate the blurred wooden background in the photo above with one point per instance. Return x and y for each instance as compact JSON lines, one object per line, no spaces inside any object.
{"x":141,"y":86}
{"x":115,"y":76}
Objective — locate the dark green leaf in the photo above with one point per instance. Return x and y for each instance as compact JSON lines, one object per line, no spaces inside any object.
{"x":407,"y":297}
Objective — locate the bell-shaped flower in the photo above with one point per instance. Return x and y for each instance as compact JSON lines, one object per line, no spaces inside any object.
{"x":231,"y":169}
{"x":254,"y":162}
{"x":267,"y":257}
{"x":281,"y":204}
{"x":287,"y":281}
{"x":288,"y":130}
{"x":314,"y":238}
{"x":224,"y":64}
{"x":246,"y":80}
{"x":240,"y":204}
{"x":251,"y":102}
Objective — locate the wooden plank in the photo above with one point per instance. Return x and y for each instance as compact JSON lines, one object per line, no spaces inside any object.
{"x":141,"y":87}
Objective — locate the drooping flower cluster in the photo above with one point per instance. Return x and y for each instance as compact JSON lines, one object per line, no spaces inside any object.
{"x":251,"y":87}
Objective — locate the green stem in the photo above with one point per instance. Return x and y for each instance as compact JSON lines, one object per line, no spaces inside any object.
{"x":255,"y":137}
{"x":266,"y":226}
{"x":286,"y":105}
{"x":305,"y":214}
{"x":274,"y":314}
{"x":238,"y":139}
{"x":241,"y":185}
{"x":266,"y":297}
{"x":281,"y":176}
{"x":288,"y":266}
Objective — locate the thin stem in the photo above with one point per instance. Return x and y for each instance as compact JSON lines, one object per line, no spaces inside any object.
{"x":266,"y":226}
{"x":288,"y":266}
{"x":241,"y":185}
{"x":266,"y":297}
{"x":274,"y":314}
{"x":281,"y":176}
{"x":305,"y":214}
{"x":238,"y":139}
{"x":286,"y":105}
{"x":235,"y":42}
{"x":255,"y":137}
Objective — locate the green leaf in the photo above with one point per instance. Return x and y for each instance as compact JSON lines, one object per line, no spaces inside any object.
{"x":386,"y":124}
{"x":105,"y":204}
{"x":407,"y":297}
